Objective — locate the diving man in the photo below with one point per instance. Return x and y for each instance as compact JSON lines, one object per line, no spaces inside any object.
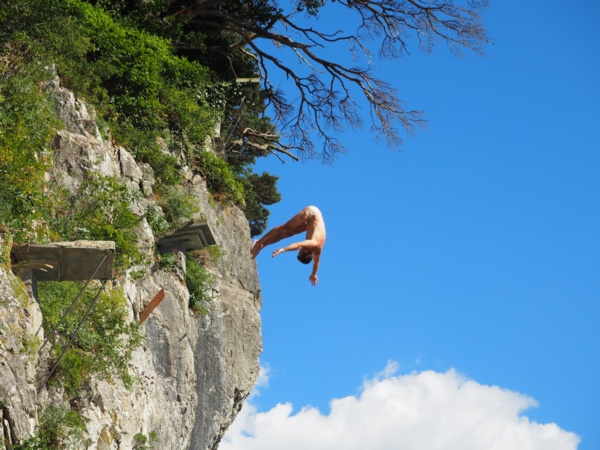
{"x":310,"y":220}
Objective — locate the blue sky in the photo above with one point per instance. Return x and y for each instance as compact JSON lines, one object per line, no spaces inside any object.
{"x":465,"y":263}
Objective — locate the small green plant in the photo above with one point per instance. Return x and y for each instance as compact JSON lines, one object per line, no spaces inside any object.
{"x":177,"y":206}
{"x":220,"y":178}
{"x":103,"y":345}
{"x":139,"y":439}
{"x":215,"y":253}
{"x":19,"y":291}
{"x":200,"y":284}
{"x":208,"y":256}
{"x":141,"y":442}
{"x":137,"y":274}
{"x":166,"y":260}
{"x":31,"y":345}
{"x":6,"y":242}
{"x":59,"y":427}
{"x":156,"y":219}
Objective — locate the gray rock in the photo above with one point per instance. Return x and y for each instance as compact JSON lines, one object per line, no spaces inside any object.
{"x":18,"y":359}
{"x":193,"y":372}
{"x":76,"y":116}
{"x":147,"y":179}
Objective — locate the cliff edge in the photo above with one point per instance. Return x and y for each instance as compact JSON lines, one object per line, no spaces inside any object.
{"x":192,"y":372}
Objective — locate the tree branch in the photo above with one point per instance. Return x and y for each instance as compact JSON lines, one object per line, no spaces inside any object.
{"x":325,"y":87}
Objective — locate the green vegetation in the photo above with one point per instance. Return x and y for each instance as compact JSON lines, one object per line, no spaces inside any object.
{"x":26,"y":127}
{"x":140,"y":89}
{"x":199,"y":281}
{"x":220,"y":178}
{"x":166,"y":260}
{"x":30,"y":346}
{"x":207,"y":256}
{"x":175,"y":207}
{"x":99,"y":210}
{"x":58,"y":428}
{"x":105,"y":342}
{"x":5,"y":246}
{"x":149,"y":97}
{"x":143,"y":442}
{"x":200,"y":284}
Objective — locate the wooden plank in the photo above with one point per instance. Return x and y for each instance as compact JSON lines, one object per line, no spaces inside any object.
{"x":152,"y":306}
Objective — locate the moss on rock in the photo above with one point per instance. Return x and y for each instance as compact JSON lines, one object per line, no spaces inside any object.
{"x":6,"y":241}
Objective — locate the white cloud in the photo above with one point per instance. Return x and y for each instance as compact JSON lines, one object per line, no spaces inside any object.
{"x":421,"y":411}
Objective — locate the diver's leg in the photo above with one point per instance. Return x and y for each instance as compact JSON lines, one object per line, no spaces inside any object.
{"x":295,"y":225}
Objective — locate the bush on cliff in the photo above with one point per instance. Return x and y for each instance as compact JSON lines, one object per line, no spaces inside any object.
{"x":148,"y":97}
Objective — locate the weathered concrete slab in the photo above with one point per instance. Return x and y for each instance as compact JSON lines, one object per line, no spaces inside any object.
{"x":194,"y":235}
{"x":65,"y":261}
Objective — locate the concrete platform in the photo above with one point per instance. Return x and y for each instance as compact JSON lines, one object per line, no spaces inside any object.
{"x":194,"y":235}
{"x":65,"y":261}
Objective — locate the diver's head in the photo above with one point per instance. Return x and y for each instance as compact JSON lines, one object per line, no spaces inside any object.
{"x":305,"y":256}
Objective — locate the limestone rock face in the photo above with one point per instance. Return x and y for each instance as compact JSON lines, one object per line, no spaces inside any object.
{"x":19,"y":319}
{"x":192,"y":371}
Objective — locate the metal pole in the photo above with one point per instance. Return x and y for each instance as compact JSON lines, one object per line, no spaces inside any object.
{"x":74,"y":334}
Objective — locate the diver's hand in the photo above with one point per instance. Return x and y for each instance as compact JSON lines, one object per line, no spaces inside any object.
{"x":313,"y":280}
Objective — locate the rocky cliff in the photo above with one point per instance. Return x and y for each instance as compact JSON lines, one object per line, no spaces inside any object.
{"x":193,"y":371}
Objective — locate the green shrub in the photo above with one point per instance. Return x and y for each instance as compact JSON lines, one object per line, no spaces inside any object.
{"x":139,"y":87}
{"x":143,"y":442}
{"x":166,"y":260}
{"x":177,"y":207}
{"x":26,"y":124}
{"x":200,"y":284}
{"x":98,"y":210}
{"x":58,"y":428}
{"x":105,"y":342}
{"x":208,"y":256}
{"x":220,"y":179}
{"x":156,"y":219}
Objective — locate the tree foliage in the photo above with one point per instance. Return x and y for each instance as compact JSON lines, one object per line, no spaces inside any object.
{"x":163,"y":73}
{"x":262,"y":34}
{"x":120,"y":57}
{"x":26,"y":123}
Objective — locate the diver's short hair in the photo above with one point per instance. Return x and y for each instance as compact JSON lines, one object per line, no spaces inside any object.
{"x":305,"y":258}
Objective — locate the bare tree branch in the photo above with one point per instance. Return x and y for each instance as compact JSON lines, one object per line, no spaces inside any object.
{"x":326,"y":88}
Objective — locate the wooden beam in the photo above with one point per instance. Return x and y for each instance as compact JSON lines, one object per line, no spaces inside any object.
{"x":151,"y":306}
